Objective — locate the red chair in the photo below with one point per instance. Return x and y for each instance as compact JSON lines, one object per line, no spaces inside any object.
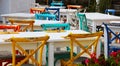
{"x":16,"y":28}
{"x":6,"y":56}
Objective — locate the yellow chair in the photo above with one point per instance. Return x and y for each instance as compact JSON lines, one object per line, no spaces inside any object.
{"x":85,"y":46}
{"x":6,"y":56}
{"x":41,"y":41}
{"x":25,"y":24}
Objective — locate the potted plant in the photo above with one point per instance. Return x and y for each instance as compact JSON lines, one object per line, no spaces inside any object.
{"x":113,"y":60}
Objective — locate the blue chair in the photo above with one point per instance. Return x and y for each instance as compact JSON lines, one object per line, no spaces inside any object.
{"x":45,"y":16}
{"x":57,"y":3}
{"x":55,"y":11}
{"x":61,"y":54}
{"x":82,"y":21}
{"x":112,"y":38}
{"x":110,"y":11}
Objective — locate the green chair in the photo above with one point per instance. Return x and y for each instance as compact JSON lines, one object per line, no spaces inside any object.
{"x":61,"y":54}
{"x":82,"y":22}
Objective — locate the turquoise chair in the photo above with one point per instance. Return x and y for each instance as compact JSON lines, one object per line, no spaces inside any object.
{"x":82,"y":22}
{"x":64,"y":26}
{"x":110,"y":11}
{"x":45,"y":16}
{"x":57,"y":3}
{"x":61,"y":54}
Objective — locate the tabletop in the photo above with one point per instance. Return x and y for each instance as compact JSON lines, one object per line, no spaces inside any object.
{"x":101,"y":16}
{"x":55,"y":39}
{"x":40,"y":22}
{"x":55,"y":36}
{"x":18,"y":15}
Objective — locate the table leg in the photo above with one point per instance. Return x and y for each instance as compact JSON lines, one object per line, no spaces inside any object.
{"x":4,"y":20}
{"x":51,"y":55}
{"x":98,"y":52}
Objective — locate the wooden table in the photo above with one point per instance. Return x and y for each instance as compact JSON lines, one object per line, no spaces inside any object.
{"x":95,"y":19}
{"x":17,"y":15}
{"x":55,"y":39}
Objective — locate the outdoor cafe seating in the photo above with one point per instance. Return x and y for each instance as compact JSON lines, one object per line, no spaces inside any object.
{"x":57,"y":34}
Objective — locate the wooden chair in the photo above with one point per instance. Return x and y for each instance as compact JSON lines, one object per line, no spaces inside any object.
{"x":112,"y":37}
{"x":57,"y":3}
{"x":6,"y":56}
{"x":14,"y":28}
{"x":110,"y":11}
{"x":40,"y":41}
{"x":24,"y":24}
{"x":58,"y":28}
{"x":36,"y":10}
{"x":74,"y":6}
{"x":85,"y":46}
{"x":55,"y":11}
{"x":83,"y":25}
{"x":62,"y":26}
{"x":45,"y":16}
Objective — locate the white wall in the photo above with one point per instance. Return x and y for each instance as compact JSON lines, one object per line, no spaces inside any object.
{"x":14,"y":6}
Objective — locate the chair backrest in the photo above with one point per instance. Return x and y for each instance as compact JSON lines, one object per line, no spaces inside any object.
{"x":57,"y":3}
{"x":74,"y":6}
{"x":9,"y":28}
{"x":25,"y":24}
{"x":82,"y":22}
{"x":36,"y":10}
{"x":110,"y":11}
{"x":90,"y":42}
{"x":112,"y":37}
{"x":40,"y":41}
{"x":45,"y":16}
{"x":60,"y":26}
{"x":55,"y":11}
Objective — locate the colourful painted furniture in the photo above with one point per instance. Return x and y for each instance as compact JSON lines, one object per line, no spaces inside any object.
{"x":25,"y":24}
{"x":82,"y":21}
{"x":74,"y":6}
{"x":6,"y":56}
{"x":112,"y":37}
{"x":14,"y":28}
{"x":57,"y":3}
{"x":41,"y":41}
{"x":110,"y":11}
{"x":55,"y":11}
{"x":36,"y":10}
{"x":62,"y":26}
{"x":45,"y":16}
{"x":60,"y":54}
{"x":85,"y":47}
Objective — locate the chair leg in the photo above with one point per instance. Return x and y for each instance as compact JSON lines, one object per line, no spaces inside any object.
{"x":6,"y":64}
{"x":0,"y":63}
